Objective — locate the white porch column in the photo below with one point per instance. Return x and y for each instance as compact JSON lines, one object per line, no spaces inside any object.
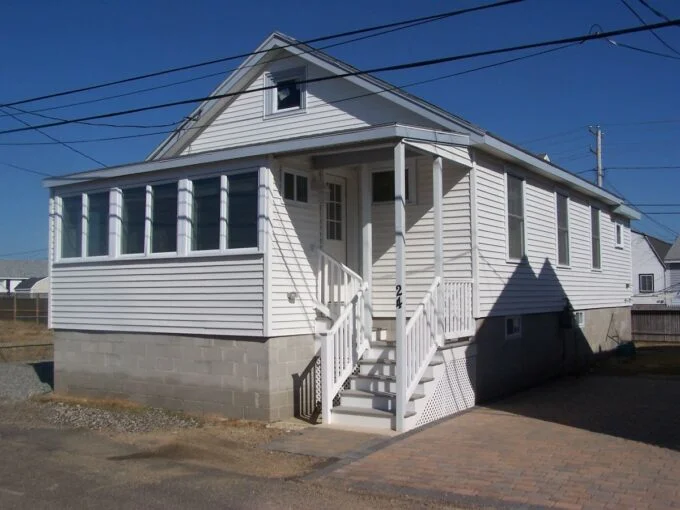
{"x":437,"y":191}
{"x":367,"y":246}
{"x":400,"y":275}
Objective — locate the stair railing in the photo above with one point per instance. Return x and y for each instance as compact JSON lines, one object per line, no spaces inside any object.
{"x":336,"y":283}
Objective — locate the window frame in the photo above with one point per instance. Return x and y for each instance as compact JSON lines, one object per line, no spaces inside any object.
{"x":85,"y":249}
{"x":579,"y":322}
{"x":558,"y":194}
{"x":223,"y":215}
{"x":618,"y":229}
{"x":650,"y":275}
{"x":511,"y":260}
{"x":412,"y":190}
{"x":515,"y":334}
{"x":271,"y":110}
{"x":295,"y":174}
{"x":183,"y":228}
{"x":594,"y":209}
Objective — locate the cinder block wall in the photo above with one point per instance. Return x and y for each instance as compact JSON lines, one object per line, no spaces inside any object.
{"x":238,"y":378}
{"x":544,"y":350}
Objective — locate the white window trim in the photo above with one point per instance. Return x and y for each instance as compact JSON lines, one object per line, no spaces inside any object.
{"x":557,"y":231}
{"x":412,"y":187}
{"x":590,"y":231}
{"x":640,"y":291}
{"x":271,"y":79}
{"x":518,"y":334}
{"x":294,"y":201}
{"x":115,"y":203}
{"x":509,"y":259}
{"x":618,"y":227}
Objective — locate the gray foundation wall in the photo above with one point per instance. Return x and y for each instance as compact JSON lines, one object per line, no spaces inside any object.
{"x":545,"y":349}
{"x":248,"y":378}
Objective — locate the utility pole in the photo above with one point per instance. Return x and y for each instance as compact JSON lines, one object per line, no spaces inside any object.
{"x":597,"y":132}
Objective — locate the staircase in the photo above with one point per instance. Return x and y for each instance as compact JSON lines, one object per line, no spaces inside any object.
{"x":370,"y":400}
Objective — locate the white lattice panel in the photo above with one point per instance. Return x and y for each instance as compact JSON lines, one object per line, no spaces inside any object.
{"x":454,"y":391}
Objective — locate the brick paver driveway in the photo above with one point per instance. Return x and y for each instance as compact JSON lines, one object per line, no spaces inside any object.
{"x":589,"y":442}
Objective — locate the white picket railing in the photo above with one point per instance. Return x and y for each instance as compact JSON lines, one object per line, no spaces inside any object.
{"x":341,"y":348}
{"x":422,"y":336}
{"x":336,"y":283}
{"x":459,"y":321}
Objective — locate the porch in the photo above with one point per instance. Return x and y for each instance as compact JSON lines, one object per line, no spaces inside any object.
{"x":390,"y":318}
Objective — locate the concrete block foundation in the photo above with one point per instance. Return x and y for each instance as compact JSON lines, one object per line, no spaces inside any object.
{"x":246,"y":378}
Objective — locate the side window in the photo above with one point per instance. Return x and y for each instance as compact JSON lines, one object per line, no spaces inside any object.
{"x":71,"y":226}
{"x":295,"y":187}
{"x":562,"y":230}
{"x":286,"y":92}
{"x":646,"y":283}
{"x":515,"y":220}
{"x":164,"y":218}
{"x":383,"y":185}
{"x":595,"y":238}
{"x":98,"y":224}
{"x":618,"y":235}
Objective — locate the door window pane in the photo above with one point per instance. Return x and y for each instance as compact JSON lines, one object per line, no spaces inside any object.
{"x":334,"y":212}
{"x":134,"y":216}
{"x":242,"y":197}
{"x":98,"y":224}
{"x":71,"y":226}
{"x":205,"y":232}
{"x":164,"y":218}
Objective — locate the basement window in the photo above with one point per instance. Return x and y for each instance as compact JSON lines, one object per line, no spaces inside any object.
{"x":513,"y":327}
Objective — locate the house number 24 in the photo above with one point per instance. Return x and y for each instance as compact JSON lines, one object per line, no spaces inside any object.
{"x":398,"y":296}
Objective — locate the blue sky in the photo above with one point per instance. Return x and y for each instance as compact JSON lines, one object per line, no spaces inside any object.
{"x":51,"y":46}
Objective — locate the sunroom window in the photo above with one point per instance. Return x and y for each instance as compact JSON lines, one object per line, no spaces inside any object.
{"x":133,"y":216}
{"x":71,"y":226}
{"x":242,"y":211}
{"x":205,"y":217}
{"x":98,"y":224}
{"x":164,"y":218}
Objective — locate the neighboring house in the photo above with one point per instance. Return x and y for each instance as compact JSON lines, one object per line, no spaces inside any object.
{"x":672,"y":261}
{"x":309,"y":211}
{"x":13,"y":272}
{"x":650,"y":275}
{"x":33,"y":287}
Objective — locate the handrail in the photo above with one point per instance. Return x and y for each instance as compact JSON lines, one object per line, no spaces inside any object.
{"x":336,"y":283}
{"x":341,"y":348}
{"x":421,"y":306}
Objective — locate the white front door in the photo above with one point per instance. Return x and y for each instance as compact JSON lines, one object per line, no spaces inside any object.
{"x":335,"y":218}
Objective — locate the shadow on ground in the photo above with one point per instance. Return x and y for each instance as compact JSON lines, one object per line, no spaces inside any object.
{"x":638,"y":408}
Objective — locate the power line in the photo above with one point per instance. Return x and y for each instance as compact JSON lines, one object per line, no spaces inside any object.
{"x":656,"y":36}
{"x":643,"y":50}
{"x":663,"y":213}
{"x":244,"y":55}
{"x":24,"y":169}
{"x":54,"y":139}
{"x":351,"y":98}
{"x":555,"y":135}
{"x":223,"y":72}
{"x":22,"y":252}
{"x":650,"y":167}
{"x":397,"y":67}
{"x":657,"y":205}
{"x":655,"y":11}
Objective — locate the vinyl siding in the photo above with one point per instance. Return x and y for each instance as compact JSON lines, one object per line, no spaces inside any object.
{"x":538,"y":284}
{"x":216,"y":296}
{"x":243,"y":121}
{"x":645,"y":261}
{"x":294,"y":238}
{"x":419,"y":237}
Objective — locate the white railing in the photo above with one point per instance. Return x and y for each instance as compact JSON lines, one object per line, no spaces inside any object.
{"x":341,"y":348}
{"x":422,"y":336}
{"x":336,"y":283}
{"x":459,"y":321}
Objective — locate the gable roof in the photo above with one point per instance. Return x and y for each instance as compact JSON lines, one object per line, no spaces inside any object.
{"x":659,"y":247}
{"x":673,"y":254}
{"x":27,"y":285}
{"x":22,"y":268}
{"x":206,"y":112}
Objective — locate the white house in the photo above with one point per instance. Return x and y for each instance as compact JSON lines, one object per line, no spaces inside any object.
{"x":311,"y":211}
{"x":13,"y":272}
{"x":650,"y":274}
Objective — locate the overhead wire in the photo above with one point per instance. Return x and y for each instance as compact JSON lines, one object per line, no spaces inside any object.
{"x":396,"y":67}
{"x":654,"y":34}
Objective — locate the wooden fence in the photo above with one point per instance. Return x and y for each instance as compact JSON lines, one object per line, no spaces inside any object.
{"x":18,"y":308}
{"x":656,"y":324}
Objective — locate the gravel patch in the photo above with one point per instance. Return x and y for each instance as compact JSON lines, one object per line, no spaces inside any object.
{"x":133,"y":421}
{"x":20,"y":382}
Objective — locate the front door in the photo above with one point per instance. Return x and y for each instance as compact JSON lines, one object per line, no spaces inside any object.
{"x":335,"y":224}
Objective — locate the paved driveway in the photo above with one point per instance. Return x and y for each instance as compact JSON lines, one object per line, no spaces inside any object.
{"x":589,"y":442}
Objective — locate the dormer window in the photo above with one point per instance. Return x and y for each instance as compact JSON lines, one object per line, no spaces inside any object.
{"x":287,"y":92}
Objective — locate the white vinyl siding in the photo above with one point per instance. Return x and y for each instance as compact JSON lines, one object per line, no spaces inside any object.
{"x":539,"y":285}
{"x":294,"y":239}
{"x":420,"y":239}
{"x":216,"y":296}
{"x":244,"y":120}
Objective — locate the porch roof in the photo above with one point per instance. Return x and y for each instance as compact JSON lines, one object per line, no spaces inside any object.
{"x":357,"y":136}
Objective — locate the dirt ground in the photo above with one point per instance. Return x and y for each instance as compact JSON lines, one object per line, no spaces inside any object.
{"x":23,"y":332}
{"x":650,"y":359}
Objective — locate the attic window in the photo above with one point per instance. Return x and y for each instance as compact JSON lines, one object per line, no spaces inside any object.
{"x":287,"y":92}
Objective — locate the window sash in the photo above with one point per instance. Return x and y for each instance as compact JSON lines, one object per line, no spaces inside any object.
{"x":242,"y":206}
{"x":205,"y":214}
{"x":382,"y":185}
{"x":295,"y":187}
{"x":71,"y":226}
{"x":595,"y":238}
{"x":515,"y":204}
{"x":98,"y":224}
{"x":646,"y":283}
{"x":562,"y":230}
{"x":164,"y":218}
{"x":133,"y":221}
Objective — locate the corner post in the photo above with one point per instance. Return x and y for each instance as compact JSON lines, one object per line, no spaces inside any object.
{"x":327,"y":371}
{"x":400,"y":276}
{"x":367,"y":248}
{"x":437,"y":198}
